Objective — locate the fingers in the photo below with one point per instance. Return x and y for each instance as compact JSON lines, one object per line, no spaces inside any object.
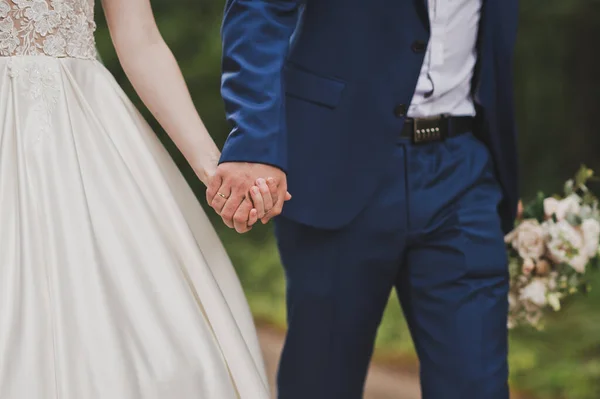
{"x":273,"y":189}
{"x":230,"y":208}
{"x":265,"y":192}
{"x":253,"y":218}
{"x":222,"y":195}
{"x":226,"y":201}
{"x":258,"y":201}
{"x":213,"y":188}
{"x":242,"y":216}
{"x":281,"y":191}
{"x":228,"y":197}
{"x":288,"y":196}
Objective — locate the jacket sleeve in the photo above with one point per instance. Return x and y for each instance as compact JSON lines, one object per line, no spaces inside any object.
{"x":256,"y":36}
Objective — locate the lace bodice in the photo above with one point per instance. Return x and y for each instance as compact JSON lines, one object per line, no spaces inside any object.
{"x":56,"y":28}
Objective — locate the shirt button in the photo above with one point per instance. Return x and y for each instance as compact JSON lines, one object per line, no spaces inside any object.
{"x":419,"y":46}
{"x":400,"y":110}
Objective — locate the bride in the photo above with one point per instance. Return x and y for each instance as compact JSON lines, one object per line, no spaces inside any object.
{"x":113,"y":284}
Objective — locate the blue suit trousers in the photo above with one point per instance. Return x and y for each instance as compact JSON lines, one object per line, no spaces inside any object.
{"x":433,"y":233}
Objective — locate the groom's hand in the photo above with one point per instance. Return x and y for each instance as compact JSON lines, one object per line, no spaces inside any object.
{"x":230,"y":186}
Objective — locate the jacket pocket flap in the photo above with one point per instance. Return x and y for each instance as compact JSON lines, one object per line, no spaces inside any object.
{"x":314,"y":88}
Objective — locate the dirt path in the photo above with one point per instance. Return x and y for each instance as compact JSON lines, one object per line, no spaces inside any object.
{"x":382,"y":383}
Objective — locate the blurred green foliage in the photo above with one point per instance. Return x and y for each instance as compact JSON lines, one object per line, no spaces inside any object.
{"x":557,"y":93}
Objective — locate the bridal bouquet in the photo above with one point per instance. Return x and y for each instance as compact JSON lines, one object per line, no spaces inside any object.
{"x":553,"y":246}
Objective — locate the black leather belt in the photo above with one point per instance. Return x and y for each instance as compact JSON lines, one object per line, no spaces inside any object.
{"x":437,"y":128}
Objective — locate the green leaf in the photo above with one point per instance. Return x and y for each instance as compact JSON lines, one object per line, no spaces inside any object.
{"x":535,"y":208}
{"x":582,"y":176}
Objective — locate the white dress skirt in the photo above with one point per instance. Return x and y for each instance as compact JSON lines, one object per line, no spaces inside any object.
{"x":113,"y":283}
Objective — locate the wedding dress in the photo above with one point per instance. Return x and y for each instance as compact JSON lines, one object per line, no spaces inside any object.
{"x":113,"y":283}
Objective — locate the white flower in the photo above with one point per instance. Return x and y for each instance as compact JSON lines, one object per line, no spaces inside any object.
{"x":586,"y":212}
{"x":55,"y":45}
{"x":9,"y":40}
{"x":554,"y":300}
{"x":80,"y":41}
{"x":45,"y":20}
{"x":550,"y":206}
{"x":535,"y":292}
{"x":568,"y":206}
{"x":61,"y":7}
{"x":22,"y":3}
{"x":591,"y":237}
{"x":579,"y":262}
{"x":7,"y":25}
{"x":36,"y":10}
{"x":565,"y":241}
{"x":33,"y":21}
{"x":528,"y":239}
{"x":4,"y":9}
{"x":566,"y":245}
{"x":562,"y":208}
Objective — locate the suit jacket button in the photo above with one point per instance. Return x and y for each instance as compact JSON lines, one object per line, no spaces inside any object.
{"x":419,"y":46}
{"x":400,"y":110}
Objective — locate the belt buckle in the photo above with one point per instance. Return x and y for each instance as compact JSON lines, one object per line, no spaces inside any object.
{"x":427,"y":129}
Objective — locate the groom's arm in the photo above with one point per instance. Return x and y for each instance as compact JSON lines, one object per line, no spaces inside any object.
{"x":256,"y":35}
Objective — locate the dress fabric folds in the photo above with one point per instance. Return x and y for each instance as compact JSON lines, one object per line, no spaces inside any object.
{"x":113,"y":283}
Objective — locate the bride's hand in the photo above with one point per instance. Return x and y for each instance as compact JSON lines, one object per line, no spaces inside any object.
{"x":245,"y":216}
{"x":203,"y":172}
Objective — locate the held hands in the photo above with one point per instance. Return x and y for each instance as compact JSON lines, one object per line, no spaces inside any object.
{"x":241,"y":195}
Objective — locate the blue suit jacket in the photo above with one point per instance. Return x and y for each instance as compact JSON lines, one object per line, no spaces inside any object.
{"x":318,"y":88}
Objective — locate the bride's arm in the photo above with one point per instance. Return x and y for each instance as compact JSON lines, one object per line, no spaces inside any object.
{"x":156,"y":77}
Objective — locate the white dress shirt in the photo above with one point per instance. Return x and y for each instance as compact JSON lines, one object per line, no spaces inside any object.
{"x":444,"y":85}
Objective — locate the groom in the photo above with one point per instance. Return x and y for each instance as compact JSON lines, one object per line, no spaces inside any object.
{"x":394,"y":123}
